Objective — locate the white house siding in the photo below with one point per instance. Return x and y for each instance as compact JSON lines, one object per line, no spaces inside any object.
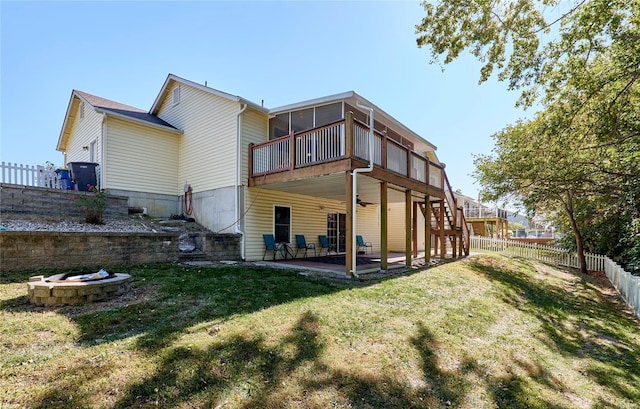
{"x":308,"y":217}
{"x":255,"y":127}
{"x":207,"y":147}
{"x":141,"y":158}
{"x":396,"y":235}
{"x":84,"y":131}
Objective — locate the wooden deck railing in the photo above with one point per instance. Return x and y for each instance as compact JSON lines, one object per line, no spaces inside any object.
{"x":332,"y":142}
{"x":479,"y":212}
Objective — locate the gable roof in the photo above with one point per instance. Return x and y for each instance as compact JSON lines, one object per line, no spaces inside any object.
{"x":113,"y":107}
{"x":171,"y":78}
{"x":109,"y":108}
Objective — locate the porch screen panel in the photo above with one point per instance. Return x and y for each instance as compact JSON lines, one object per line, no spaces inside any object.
{"x":302,"y":120}
{"x":279,"y":126}
{"x":326,"y":114}
{"x":282,"y":224}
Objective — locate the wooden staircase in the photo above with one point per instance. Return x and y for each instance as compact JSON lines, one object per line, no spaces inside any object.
{"x":448,"y":223}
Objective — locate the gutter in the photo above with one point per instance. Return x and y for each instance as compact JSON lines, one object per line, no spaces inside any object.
{"x":237,"y":185}
{"x":354,"y":175}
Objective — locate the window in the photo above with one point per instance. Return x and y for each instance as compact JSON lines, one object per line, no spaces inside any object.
{"x":279,"y":126}
{"x":175,"y":98}
{"x":282,"y":224}
{"x":326,"y":114}
{"x":302,"y":120}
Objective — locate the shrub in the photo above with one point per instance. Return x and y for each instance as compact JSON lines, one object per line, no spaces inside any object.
{"x":92,"y":204}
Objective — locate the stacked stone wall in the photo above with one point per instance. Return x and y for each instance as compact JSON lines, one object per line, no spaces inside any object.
{"x":30,"y":200}
{"x":35,"y":250}
{"x":219,"y":246}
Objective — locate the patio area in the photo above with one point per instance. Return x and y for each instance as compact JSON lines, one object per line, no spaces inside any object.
{"x":368,"y":265}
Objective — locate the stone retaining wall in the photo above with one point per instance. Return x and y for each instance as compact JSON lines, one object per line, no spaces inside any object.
{"x":218,"y":246}
{"x":30,"y":200}
{"x":36,"y":250}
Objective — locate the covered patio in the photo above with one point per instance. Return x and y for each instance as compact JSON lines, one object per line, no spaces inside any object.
{"x":352,"y":163}
{"x":368,"y":266}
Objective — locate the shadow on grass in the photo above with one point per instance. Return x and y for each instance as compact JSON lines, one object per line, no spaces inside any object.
{"x":579,"y":321}
{"x":453,"y":386}
{"x":248,"y":371}
{"x":187,"y":296}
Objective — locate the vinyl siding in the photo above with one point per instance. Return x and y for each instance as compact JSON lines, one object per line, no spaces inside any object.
{"x":396,"y":231}
{"x":254,"y":130}
{"x":207,"y":155}
{"x":141,"y":158}
{"x":308,"y":217}
{"x":83,"y":132}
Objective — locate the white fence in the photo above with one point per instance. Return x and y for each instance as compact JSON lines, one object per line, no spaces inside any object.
{"x":29,"y":175}
{"x":627,"y":284}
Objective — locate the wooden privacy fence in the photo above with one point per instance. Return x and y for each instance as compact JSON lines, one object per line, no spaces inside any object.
{"x":26,"y":175}
{"x":627,"y":284}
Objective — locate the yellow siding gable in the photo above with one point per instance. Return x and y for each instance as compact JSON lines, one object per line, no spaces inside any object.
{"x":84,"y":131}
{"x":207,"y":148}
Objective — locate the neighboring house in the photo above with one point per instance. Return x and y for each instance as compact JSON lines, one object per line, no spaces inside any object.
{"x":284,"y":171}
{"x":484,"y":220}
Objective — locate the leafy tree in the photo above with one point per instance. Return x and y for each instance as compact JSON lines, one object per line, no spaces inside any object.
{"x":581,"y":62}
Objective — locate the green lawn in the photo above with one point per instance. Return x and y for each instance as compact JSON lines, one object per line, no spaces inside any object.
{"x":485,"y":332}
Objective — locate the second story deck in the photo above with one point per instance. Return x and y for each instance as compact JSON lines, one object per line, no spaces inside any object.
{"x":342,"y":146}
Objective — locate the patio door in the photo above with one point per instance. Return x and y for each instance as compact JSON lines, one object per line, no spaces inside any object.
{"x":337,"y":231}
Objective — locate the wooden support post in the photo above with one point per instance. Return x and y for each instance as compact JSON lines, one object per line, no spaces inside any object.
{"x":427,"y":228}
{"x":349,"y":221}
{"x":407,"y":227}
{"x":292,"y":151}
{"x":384,"y":251}
{"x":348,"y":134}
{"x":443,"y":243}
{"x":415,"y":229}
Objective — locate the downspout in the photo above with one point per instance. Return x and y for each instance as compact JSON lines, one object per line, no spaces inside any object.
{"x":237,"y":186}
{"x":102,"y":181}
{"x":354,"y":193}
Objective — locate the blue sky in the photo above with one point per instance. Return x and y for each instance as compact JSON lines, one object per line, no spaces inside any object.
{"x":279,"y":52}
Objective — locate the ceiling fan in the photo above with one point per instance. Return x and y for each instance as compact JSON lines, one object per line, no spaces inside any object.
{"x":360,"y":202}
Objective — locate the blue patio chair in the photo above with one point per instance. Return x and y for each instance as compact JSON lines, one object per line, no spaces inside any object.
{"x":303,"y":245}
{"x":324,"y":245}
{"x":363,"y":244}
{"x":271,"y":245}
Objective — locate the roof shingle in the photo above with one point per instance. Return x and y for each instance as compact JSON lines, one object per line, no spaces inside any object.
{"x":122,"y":109}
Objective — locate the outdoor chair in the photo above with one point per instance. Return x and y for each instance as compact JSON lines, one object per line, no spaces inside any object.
{"x":324,"y":245}
{"x":362,"y":245}
{"x":271,"y":245}
{"x":303,"y":245}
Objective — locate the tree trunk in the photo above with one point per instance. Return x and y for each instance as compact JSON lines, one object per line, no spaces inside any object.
{"x":568,"y":207}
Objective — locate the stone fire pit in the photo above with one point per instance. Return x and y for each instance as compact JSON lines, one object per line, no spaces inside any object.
{"x":77,"y":288}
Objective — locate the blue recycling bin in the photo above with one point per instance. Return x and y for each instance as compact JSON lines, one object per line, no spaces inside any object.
{"x":65,"y":179}
{"x":83,"y":175}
